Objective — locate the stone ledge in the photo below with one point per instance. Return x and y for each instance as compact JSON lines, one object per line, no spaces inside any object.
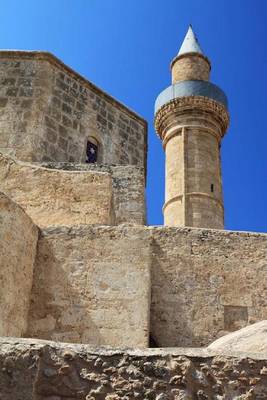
{"x":196,"y":352}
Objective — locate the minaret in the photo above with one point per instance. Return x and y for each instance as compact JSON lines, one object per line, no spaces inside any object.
{"x":191,"y":118}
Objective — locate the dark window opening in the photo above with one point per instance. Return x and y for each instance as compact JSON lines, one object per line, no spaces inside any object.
{"x":91,"y":152}
{"x":212,"y":188}
{"x":152,"y":342}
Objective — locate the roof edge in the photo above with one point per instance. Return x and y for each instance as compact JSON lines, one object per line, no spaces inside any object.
{"x":47,"y":56}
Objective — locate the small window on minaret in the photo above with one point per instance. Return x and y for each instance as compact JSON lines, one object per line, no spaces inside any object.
{"x":212,"y":188}
{"x":91,"y":151}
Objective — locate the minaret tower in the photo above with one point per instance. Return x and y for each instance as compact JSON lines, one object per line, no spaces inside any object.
{"x":191,"y":118}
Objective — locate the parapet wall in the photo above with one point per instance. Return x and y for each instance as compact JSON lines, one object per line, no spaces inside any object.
{"x":71,"y":194}
{"x":204,"y":284}
{"x":92,"y":285}
{"x":18,"y":241}
{"x":48,"y":111}
{"x":32,"y":369}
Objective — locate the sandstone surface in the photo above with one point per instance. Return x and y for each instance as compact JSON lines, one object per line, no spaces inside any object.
{"x":75,"y":194}
{"x":205,"y":283}
{"x":18,"y":240}
{"x":92,"y":285}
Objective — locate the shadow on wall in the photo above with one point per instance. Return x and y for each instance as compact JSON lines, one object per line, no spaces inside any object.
{"x":170,"y":324}
{"x":205,"y":284}
{"x":59,"y":308}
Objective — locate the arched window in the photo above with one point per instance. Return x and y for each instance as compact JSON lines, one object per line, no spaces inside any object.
{"x":92,"y":150}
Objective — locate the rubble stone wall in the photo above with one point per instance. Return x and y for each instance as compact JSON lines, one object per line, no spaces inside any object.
{"x":32,"y":369}
{"x":18,"y":240}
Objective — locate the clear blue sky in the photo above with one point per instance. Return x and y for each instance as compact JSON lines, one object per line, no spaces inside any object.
{"x":125,"y":47}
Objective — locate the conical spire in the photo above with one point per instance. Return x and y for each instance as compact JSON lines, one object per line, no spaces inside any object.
{"x":190,"y":43}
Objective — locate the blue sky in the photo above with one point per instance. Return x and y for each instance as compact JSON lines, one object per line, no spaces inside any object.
{"x":125,"y":47}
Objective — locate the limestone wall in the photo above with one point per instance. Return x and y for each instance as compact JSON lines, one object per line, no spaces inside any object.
{"x":48,"y":111}
{"x":39,"y":370}
{"x":70,"y":194}
{"x":53,"y":197}
{"x":18,"y":239}
{"x":128,"y":189}
{"x":92,"y":285}
{"x":205,"y":283}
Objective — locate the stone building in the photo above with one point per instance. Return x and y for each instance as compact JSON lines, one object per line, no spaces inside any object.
{"x":78,"y":263}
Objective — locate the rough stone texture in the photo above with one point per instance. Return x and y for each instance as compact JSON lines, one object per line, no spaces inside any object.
{"x":36,"y":370}
{"x":56,"y":198}
{"x":128,"y":187}
{"x":48,"y":112}
{"x":189,"y":67}
{"x":206,"y":283}
{"x":18,"y":239}
{"x":252,"y":338}
{"x":75,"y":194}
{"x":92,"y":285}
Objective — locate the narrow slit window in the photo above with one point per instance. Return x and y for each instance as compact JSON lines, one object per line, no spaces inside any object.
{"x":91,"y":152}
{"x":212,"y":188}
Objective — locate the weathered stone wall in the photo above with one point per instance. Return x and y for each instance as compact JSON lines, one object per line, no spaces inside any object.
{"x":92,"y":285}
{"x":48,"y":111}
{"x":18,"y":239}
{"x":128,"y":195}
{"x":36,"y":370}
{"x":53,"y":197}
{"x":205,"y":283}
{"x":24,"y":89}
{"x":70,"y":194}
{"x":128,"y":189}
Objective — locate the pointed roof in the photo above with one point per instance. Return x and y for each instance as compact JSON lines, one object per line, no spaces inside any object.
{"x":190,"y":43}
